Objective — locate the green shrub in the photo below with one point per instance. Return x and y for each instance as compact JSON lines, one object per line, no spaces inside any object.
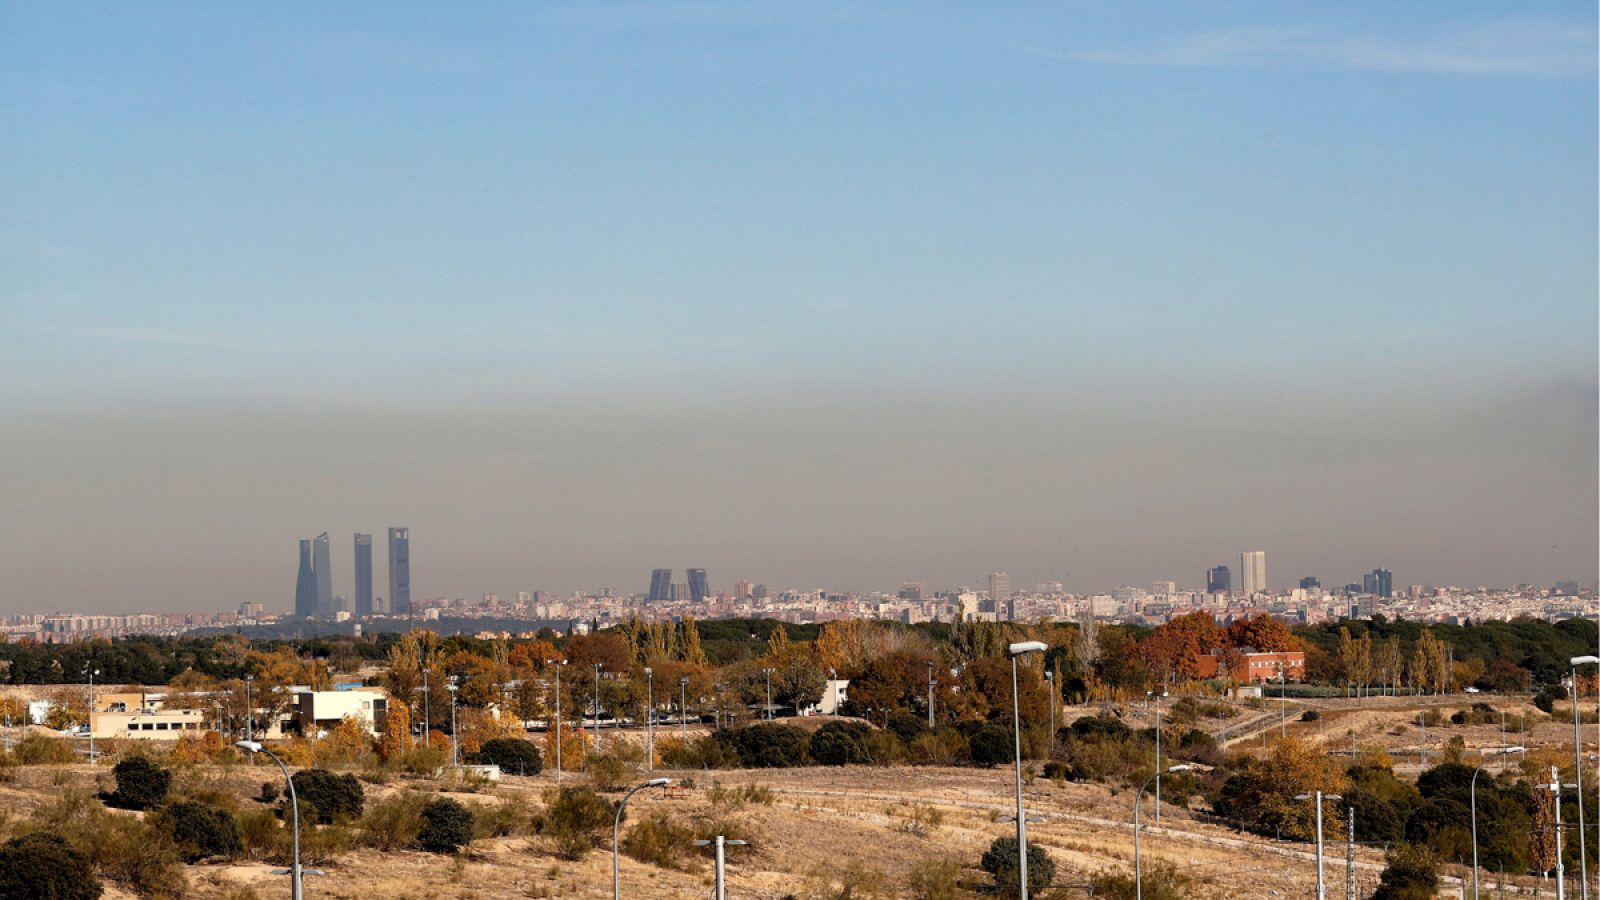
{"x":841,"y":743}
{"x":37,"y":750}
{"x":1161,"y":882}
{"x":768,"y":745}
{"x":141,"y":784}
{"x":514,"y":756}
{"x":935,"y":879}
{"x":124,"y":849}
{"x":393,"y":823}
{"x":490,"y":820}
{"x":704,"y":752}
{"x":608,"y":771}
{"x":446,"y":826}
{"x":993,"y":744}
{"x":45,"y":865}
{"x":660,"y":840}
{"x":1310,"y":715}
{"x":739,"y":795}
{"x":201,"y":831}
{"x":1000,"y":860}
{"x":261,"y":833}
{"x":326,"y":798}
{"x":1412,"y":874}
{"x":575,"y":819}
{"x":425,"y":761}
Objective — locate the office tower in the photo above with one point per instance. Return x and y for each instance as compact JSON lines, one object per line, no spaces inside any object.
{"x":322,"y":564}
{"x":363,"y":575}
{"x":1252,"y":572}
{"x":914,"y":591}
{"x":699,"y":588}
{"x":1218,"y":580}
{"x":660,"y":585}
{"x":741,"y":590}
{"x":305,"y":585}
{"x":759,"y":592}
{"x":399,"y":571}
{"x":1309,"y":582}
{"x":999,"y":586}
{"x":1378,"y":582}
{"x":1164,"y":588}
{"x":679,"y":591}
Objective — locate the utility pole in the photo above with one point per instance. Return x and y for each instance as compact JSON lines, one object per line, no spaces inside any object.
{"x":930,"y":696}
{"x":558,"y":717}
{"x":683,"y":709}
{"x":1350,"y":855}
{"x":649,"y":720}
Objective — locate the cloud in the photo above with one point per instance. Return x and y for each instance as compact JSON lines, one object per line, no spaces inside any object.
{"x":1504,"y":48}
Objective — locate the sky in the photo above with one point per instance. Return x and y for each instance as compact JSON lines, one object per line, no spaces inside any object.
{"x":811,"y":294}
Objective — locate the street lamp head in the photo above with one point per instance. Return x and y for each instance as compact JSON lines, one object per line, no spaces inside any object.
{"x":648,"y":671}
{"x":1180,"y":767}
{"x":1507,"y":751}
{"x":1022,"y":647}
{"x":1585,"y":660}
{"x":248,"y":746}
{"x":658,"y":782}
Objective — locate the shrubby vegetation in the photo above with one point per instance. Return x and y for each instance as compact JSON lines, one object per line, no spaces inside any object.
{"x":1001,"y":861}
{"x":201,"y":831}
{"x":446,"y":826}
{"x":45,"y":865}
{"x":514,"y":756}
{"x":141,"y":784}
{"x":326,"y":798}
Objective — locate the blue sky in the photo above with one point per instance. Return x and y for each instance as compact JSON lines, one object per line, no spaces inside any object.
{"x":1230,"y":221}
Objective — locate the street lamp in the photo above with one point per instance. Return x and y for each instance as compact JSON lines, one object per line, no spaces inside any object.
{"x":1138,"y":860}
{"x":249,"y":710}
{"x":1017,"y":650}
{"x":1322,"y":884}
{"x":455,"y":758}
{"x":427,"y":709}
{"x":720,"y":886}
{"x":616,"y":834}
{"x":930,"y":699}
{"x":254,"y":747}
{"x":596,"y":667}
{"x":1050,"y":687}
{"x":649,"y":720}
{"x":1577,"y":772}
{"x":1157,"y":697}
{"x":683,"y":709}
{"x":92,"y":674}
{"x":1554,"y":787}
{"x":768,"y":673}
{"x":558,"y":666}
{"x":1473,"y":793}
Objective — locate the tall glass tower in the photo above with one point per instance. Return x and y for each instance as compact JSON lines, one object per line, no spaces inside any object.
{"x":305,"y":584}
{"x":399,"y":571}
{"x":660,"y":585}
{"x":364,"y":575}
{"x":322,"y":564}
{"x":699,"y":588}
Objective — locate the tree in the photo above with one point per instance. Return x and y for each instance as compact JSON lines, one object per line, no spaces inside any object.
{"x":446,"y":826}
{"x":1260,"y":795}
{"x":141,"y":783}
{"x":574,"y":818}
{"x":1412,"y":874}
{"x":44,"y":865}
{"x":333,"y":798}
{"x":768,"y":745}
{"x":841,"y":744}
{"x":201,"y":831}
{"x":993,"y":744}
{"x":603,"y":647}
{"x":514,"y":756}
{"x":1264,"y":633}
{"x":1000,"y":860}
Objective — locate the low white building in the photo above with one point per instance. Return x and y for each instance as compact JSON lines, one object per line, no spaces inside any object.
{"x":316,"y":712}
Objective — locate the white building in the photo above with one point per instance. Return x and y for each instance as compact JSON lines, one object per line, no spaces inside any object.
{"x":1252,"y":572}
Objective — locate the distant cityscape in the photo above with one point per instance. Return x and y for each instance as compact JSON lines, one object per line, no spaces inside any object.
{"x":1226,"y":598}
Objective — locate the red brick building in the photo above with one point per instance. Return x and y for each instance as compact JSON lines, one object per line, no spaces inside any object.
{"x":1251,"y":666}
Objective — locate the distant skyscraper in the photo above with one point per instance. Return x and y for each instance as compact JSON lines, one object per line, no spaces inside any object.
{"x":322,"y":563}
{"x":399,"y":570}
{"x":660,"y":585}
{"x":699,"y":587}
{"x":1164,"y":588}
{"x":999,"y":587}
{"x":1218,"y":580}
{"x":1309,"y":582}
{"x":305,"y":584}
{"x":363,"y":575}
{"x":1378,"y":582}
{"x":1252,"y":572}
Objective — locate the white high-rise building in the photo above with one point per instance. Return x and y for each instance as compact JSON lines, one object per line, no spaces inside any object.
{"x":1252,"y":572}
{"x":999,"y":587}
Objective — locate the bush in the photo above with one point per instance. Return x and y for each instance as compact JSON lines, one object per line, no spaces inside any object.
{"x":993,"y":744}
{"x":660,"y":841}
{"x":261,"y":833}
{"x":768,"y":745}
{"x":44,"y":865}
{"x":607,"y":771}
{"x":326,"y":798}
{"x":934,"y":879}
{"x":425,"y":761}
{"x":491,"y":820}
{"x":201,"y":831}
{"x":393,"y":823}
{"x":1000,"y":860}
{"x":446,"y":826}
{"x":841,"y":744}
{"x":125,"y":849}
{"x":1310,"y":715}
{"x":141,"y":784}
{"x":38,"y":750}
{"x":1412,"y":874}
{"x":742,"y":795}
{"x":574,"y":819}
{"x":907,"y":727}
{"x":704,"y":752}
{"x":514,"y":756}
{"x":945,"y":747}
{"x":269,"y":792}
{"x":1161,"y":882}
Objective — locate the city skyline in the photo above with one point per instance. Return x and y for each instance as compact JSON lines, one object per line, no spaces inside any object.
{"x":1083,"y":293}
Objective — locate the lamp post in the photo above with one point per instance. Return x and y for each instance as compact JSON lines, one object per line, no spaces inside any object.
{"x":455,"y":758}
{"x":249,"y":711}
{"x":1473,"y":794}
{"x":768,"y":673}
{"x":719,"y":890}
{"x":1318,"y":796}
{"x":1050,"y":688}
{"x":295,"y":879}
{"x":596,"y":667}
{"x":1577,"y":771}
{"x":1554,"y":787}
{"x":427,"y":709}
{"x":649,"y":720}
{"x":930,"y":699}
{"x":1157,"y":697}
{"x":1138,"y":860}
{"x":92,"y":674}
{"x":1017,"y":650}
{"x":683,"y":709}
{"x":616,"y":834}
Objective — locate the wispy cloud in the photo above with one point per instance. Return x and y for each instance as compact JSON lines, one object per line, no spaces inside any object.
{"x":1505,"y":48}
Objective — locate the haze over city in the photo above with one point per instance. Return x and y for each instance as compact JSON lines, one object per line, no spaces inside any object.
{"x":816,"y":296}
